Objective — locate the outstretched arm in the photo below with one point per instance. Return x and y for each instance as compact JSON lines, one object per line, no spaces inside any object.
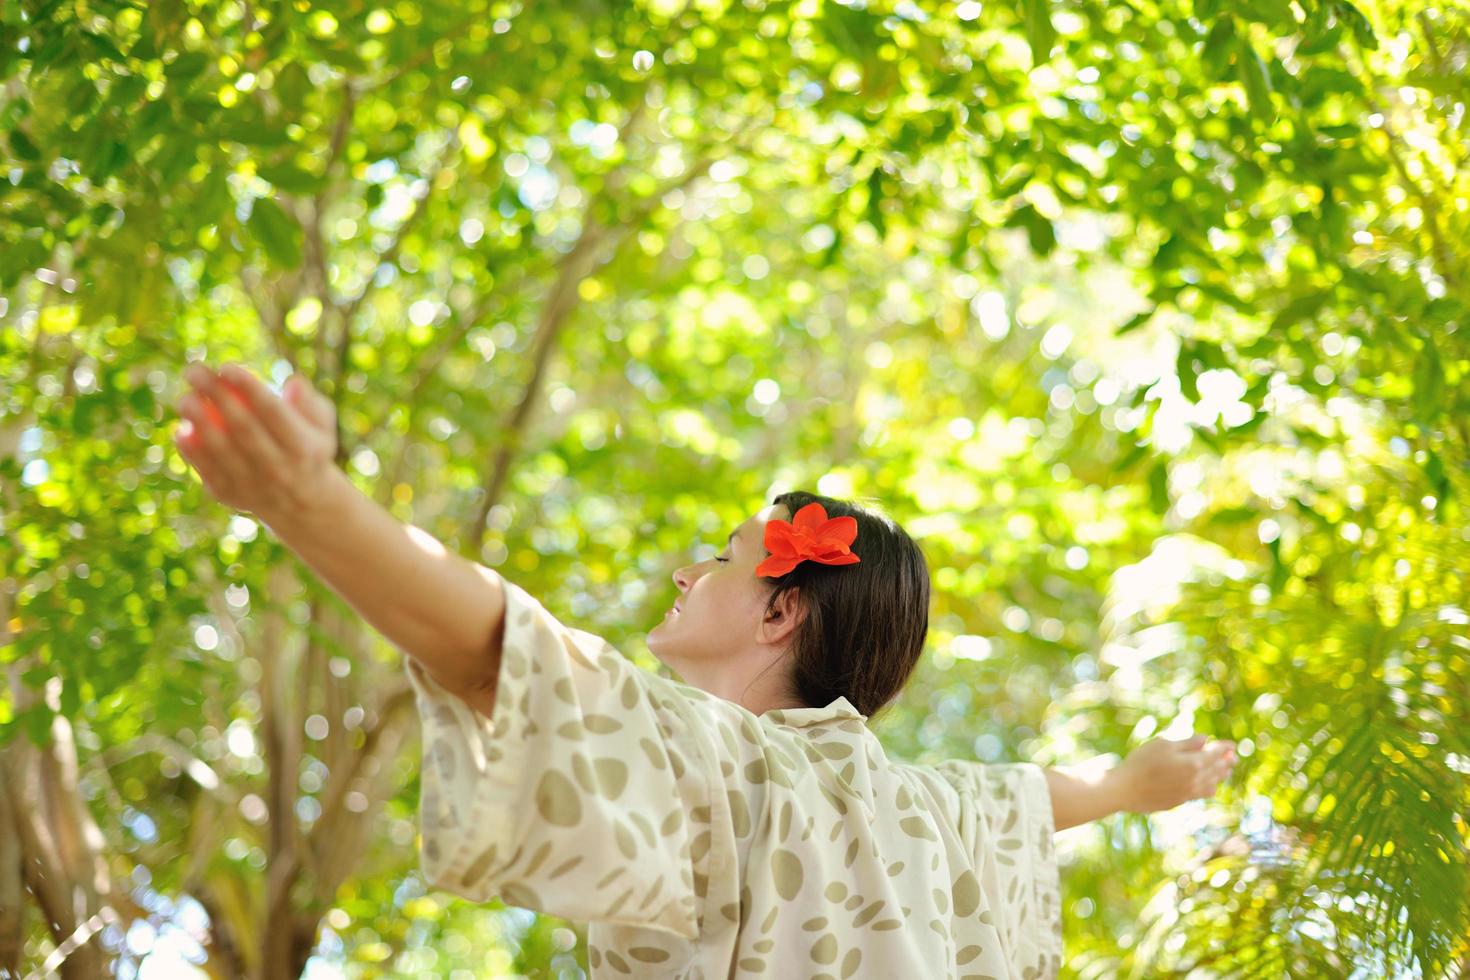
{"x":1084,"y":793}
{"x":1158,"y":775}
{"x":274,"y":457}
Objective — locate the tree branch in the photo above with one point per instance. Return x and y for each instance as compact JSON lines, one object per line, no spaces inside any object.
{"x":341,"y":128}
{"x":197,"y":769}
{"x":281,"y":733}
{"x":561,"y":302}
{"x":571,"y":270}
{"x":427,"y":367}
{"x":342,"y":852}
{"x":426,"y":51}
{"x":12,"y":886}
{"x":272,"y":317}
{"x":340,"y":783}
{"x":61,"y":845}
{"x":332,"y":372}
{"x":348,"y":311}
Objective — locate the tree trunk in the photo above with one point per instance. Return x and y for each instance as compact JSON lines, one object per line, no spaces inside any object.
{"x":12,"y":886}
{"x":60,"y":844}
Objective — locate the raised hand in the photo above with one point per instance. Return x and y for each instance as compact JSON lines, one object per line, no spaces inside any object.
{"x":256,"y":451}
{"x":1162,"y":773}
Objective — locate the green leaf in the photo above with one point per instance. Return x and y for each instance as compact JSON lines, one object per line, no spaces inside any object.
{"x":1136,"y":321}
{"x":186,"y":67}
{"x":1428,"y":385}
{"x":1039,"y":231}
{"x":104,"y":46}
{"x":289,"y":177}
{"x":1272,"y":14}
{"x":1011,"y":182}
{"x":1158,"y":487}
{"x":292,"y":84}
{"x":1358,"y":23}
{"x":1279,"y":572}
{"x":830,"y":255}
{"x":1300,"y":308}
{"x":113,"y":154}
{"x":1209,"y":438}
{"x":1256,"y":78}
{"x":214,"y":199}
{"x":277,"y":233}
{"x":21,"y":145}
{"x":1320,"y":32}
{"x":1135,"y":453}
{"x":1218,"y":47}
{"x":1169,"y":252}
{"x":173,"y":159}
{"x":1040,"y":32}
{"x":246,"y":126}
{"x":156,"y":116}
{"x":874,"y":213}
{"x":1346,"y":131}
{"x":1320,"y":81}
{"x":1194,"y":358}
{"x":1255,"y":422}
{"x":1439,"y":480}
{"x":58,"y":51}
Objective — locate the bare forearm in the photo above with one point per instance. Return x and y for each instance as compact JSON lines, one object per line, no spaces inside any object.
{"x":1083,"y":793}
{"x":438,"y":607}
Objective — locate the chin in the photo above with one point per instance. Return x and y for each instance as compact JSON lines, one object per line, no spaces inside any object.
{"x":654,"y":642}
{"x":660,"y":651}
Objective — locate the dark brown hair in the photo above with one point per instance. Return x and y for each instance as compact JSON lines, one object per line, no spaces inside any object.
{"x":865,"y":623}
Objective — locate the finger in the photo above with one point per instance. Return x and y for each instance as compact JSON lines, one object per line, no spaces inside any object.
{"x":266,"y":406}
{"x":315,"y":405}
{"x":1208,"y":786}
{"x":251,"y":438}
{"x":186,"y":438}
{"x":205,"y":384}
{"x":207,"y":440}
{"x":198,"y":374}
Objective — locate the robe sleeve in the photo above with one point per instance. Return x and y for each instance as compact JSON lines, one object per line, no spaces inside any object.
{"x":574,"y":797}
{"x":1018,"y":861}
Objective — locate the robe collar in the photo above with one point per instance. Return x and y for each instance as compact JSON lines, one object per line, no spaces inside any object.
{"x":839,"y":710}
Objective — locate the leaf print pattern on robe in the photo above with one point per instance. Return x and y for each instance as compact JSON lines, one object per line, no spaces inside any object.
{"x":699,"y":840}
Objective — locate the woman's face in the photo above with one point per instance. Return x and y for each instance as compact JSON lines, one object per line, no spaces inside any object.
{"x":717,"y":618}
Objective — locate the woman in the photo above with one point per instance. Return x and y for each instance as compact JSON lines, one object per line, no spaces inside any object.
{"x":744,"y":822}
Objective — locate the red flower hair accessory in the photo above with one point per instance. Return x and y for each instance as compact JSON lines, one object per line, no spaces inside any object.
{"x":811,"y":534}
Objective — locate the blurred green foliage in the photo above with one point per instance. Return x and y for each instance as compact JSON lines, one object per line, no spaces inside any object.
{"x":1148,"y":319}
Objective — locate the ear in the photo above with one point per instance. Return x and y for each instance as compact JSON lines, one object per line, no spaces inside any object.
{"x":781,"y":622}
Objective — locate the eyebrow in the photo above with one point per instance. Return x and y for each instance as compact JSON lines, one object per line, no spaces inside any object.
{"x":731,"y":539}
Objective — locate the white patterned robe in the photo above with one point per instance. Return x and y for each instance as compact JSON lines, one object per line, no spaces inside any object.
{"x":699,"y":840}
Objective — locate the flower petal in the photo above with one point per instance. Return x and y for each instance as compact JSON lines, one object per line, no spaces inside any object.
{"x":777,"y":565}
{"x":842,"y":529}
{"x":811,"y":517}
{"x":779,"y":538}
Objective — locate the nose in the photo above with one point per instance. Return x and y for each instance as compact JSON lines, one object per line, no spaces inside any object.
{"x":688,"y":575}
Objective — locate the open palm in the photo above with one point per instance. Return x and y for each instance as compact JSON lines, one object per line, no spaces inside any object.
{"x":254,"y":450}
